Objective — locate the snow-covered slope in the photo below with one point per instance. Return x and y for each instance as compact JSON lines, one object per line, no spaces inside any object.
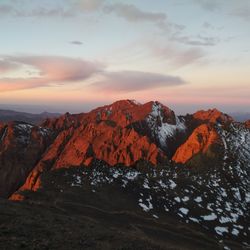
{"x":216,"y":200}
{"x":164,"y":130}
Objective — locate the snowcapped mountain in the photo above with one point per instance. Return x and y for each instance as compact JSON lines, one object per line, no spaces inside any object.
{"x":138,"y":158}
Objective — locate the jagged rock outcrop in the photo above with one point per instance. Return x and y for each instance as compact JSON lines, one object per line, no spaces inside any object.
{"x":21,"y":146}
{"x":102,"y":135}
{"x":127,"y":151}
{"x":202,"y":138}
{"x":125,"y":132}
{"x":212,"y":115}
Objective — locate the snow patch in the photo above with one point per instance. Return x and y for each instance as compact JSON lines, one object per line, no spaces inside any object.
{"x":221,"y":230}
{"x":184,"y":210}
{"x":209,"y":217}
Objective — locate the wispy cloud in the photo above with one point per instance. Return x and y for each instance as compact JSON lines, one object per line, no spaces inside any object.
{"x":17,"y":9}
{"x":239,"y":9}
{"x":210,"y":5}
{"x":133,"y":14}
{"x":130,"y":81}
{"x":44,"y":12}
{"x":70,"y":9}
{"x":175,"y":55}
{"x":242,"y":12}
{"x":89,"y":5}
{"x":196,"y":41}
{"x":128,"y":12}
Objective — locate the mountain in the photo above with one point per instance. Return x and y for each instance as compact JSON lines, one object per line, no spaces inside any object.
{"x":10,"y":115}
{"x":21,"y":146}
{"x":177,"y":181}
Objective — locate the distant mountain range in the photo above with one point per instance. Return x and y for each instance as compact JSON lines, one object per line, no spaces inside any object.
{"x":128,"y":171}
{"x":10,"y":115}
{"x":240,"y":116}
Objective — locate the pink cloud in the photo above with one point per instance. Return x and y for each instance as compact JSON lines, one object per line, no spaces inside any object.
{"x":63,"y":70}
{"x":52,"y":70}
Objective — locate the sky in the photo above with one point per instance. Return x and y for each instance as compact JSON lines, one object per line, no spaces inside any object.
{"x":74,"y":55}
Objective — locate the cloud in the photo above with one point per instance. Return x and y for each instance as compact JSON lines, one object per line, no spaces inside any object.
{"x":76,"y":42}
{"x":133,"y":14}
{"x":51,"y":70}
{"x":209,"y":5}
{"x":6,"y":66}
{"x":239,"y":9}
{"x":44,"y":12}
{"x":5,"y":9}
{"x":71,"y":9}
{"x":89,"y":5}
{"x":129,"y":12}
{"x":196,"y":41}
{"x":130,"y":81}
{"x":175,"y":55}
{"x":46,"y":71}
{"x":242,"y":12}
{"x":37,"y":11}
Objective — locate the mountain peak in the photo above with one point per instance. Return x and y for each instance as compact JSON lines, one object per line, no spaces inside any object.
{"x":212,"y":115}
{"x":124,"y":103}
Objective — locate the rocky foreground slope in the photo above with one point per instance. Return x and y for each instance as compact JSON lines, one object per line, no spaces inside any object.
{"x":140,"y":159}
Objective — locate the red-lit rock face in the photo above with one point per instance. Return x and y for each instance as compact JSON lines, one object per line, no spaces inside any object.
{"x":199,"y":141}
{"x":113,"y":145}
{"x":247,"y":124}
{"x":101,"y":134}
{"x":122,"y":133}
{"x":122,"y":112}
{"x":212,"y":115}
{"x":63,"y":122}
{"x":21,"y":146}
{"x":119,"y":145}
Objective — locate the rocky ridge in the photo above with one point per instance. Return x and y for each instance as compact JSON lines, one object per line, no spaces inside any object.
{"x":193,"y":168}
